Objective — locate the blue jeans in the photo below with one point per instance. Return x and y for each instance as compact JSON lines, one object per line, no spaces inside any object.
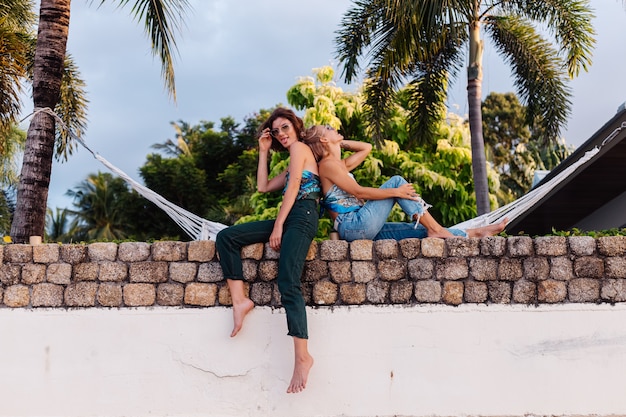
{"x":370,"y":221}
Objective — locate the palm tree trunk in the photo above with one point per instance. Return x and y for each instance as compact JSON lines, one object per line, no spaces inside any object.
{"x":474,"y":99}
{"x":32,"y":192}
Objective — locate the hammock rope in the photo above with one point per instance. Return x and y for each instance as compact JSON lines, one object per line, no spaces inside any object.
{"x":199,"y":228}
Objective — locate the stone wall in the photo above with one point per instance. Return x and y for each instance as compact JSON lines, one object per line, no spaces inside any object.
{"x":493,"y":270}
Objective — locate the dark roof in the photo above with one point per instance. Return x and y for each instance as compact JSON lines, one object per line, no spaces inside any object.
{"x":590,"y":187}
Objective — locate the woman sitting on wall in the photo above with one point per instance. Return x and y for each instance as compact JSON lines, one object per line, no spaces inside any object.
{"x":344,"y":199}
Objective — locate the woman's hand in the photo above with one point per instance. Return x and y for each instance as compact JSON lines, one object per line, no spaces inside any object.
{"x":265,"y":140}
{"x":407,"y":191}
{"x":276,"y":237}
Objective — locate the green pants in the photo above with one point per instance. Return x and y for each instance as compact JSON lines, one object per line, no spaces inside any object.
{"x":298,"y":233}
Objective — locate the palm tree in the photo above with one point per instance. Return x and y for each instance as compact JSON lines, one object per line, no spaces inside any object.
{"x":100,"y":207}
{"x":424,"y":42}
{"x":160,"y":18}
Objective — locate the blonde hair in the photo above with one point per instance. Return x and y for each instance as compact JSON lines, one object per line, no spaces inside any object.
{"x":312,"y":138}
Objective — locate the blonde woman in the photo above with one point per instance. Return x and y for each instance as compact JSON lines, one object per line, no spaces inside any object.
{"x":361,"y":212}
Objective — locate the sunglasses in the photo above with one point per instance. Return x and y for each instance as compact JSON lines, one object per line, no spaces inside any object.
{"x":284,"y":129}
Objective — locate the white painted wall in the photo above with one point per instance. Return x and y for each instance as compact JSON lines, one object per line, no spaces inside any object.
{"x":370,"y":361}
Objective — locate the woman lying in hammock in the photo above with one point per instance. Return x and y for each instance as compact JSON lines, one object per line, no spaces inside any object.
{"x":355,"y":218}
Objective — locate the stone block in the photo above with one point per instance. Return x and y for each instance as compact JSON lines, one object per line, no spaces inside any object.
{"x":612,"y":245}
{"x":169,"y":251}
{"x":363,"y":271}
{"x":200,"y":294}
{"x":33,"y":274}
{"x":334,"y":250}
{"x":462,"y":247}
{"x":18,"y":253}
{"x":10,"y":274}
{"x":315,"y":270}
{"x":223,"y":294}
{"x":493,"y":246}
{"x":583,"y":290}
{"x":210,"y":272}
{"x":524,"y":292}
{"x":499,"y":292}
{"x":615,"y":267}
{"x":433,"y":247}
{"x":102,"y":251}
{"x":452,"y":269}
{"x":410,"y":248}
{"x":510,"y":269}
{"x":520,"y":246}
{"x":551,"y":246}
{"x":452,"y":292}
{"x":81,"y":294}
{"x":536,"y":269}
{"x":353,"y":293}
{"x":200,"y":251}
{"x":386,"y":249}
{"x":183,"y":271}
{"x":421,"y":268}
{"x":362,"y":250}
{"x":582,"y":245}
{"x":139,"y":295}
{"x":551,"y":291}
{"x":170,"y":294}
{"x":59,"y":274}
{"x":149,"y":272}
{"x":392,"y":269}
{"x":377,"y":292}
{"x":589,"y":267}
{"x":475,"y":292}
{"x":73,"y":253}
{"x":87,"y":271}
{"x":133,"y":251}
{"x":428,"y":291}
{"x":45,"y":254}
{"x":561,"y":268}
{"x":113,"y":272}
{"x":250,"y":269}
{"x":401,"y":292}
{"x":47,"y":295}
{"x":16,"y":296}
{"x":312,"y":253}
{"x":261,"y":293}
{"x":255,"y":252}
{"x":340,"y":271}
{"x":613,"y":290}
{"x":110,"y":294}
{"x":268,"y":270}
{"x":325,"y":293}
{"x":483,"y":269}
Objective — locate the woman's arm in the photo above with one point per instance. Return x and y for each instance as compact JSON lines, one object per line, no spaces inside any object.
{"x":297,"y":161}
{"x":360,"y":149}
{"x":263,"y":183}
{"x":333,"y":171}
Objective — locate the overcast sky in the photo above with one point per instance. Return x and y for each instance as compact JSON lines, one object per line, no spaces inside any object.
{"x":236,"y":57}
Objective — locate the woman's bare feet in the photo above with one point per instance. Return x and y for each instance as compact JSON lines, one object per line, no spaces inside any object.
{"x":302,"y":366}
{"x":240,"y":310}
{"x":489,"y":230}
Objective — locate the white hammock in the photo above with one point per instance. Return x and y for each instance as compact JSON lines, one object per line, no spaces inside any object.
{"x":516,"y":208}
{"x":201,"y":229}
{"x":195,"y":226}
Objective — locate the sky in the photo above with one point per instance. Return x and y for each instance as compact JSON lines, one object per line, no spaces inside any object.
{"x":237,"y":57}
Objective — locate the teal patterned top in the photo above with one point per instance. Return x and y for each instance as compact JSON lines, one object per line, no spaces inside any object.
{"x":309,"y":186}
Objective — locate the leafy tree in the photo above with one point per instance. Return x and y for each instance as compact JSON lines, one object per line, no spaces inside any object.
{"x":12,"y":144}
{"x":100,"y":208}
{"x":61,"y":226}
{"x":419,"y":45}
{"x":161,"y":18}
{"x":512,"y":147}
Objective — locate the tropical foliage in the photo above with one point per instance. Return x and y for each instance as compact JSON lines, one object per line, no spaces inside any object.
{"x":419,"y":46}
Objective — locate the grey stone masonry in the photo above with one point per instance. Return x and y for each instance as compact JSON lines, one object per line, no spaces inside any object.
{"x":491,"y":270}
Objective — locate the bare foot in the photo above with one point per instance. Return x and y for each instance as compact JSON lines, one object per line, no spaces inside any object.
{"x":442,"y":234}
{"x":300,"y":374}
{"x":489,"y":230}
{"x":240,"y":310}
